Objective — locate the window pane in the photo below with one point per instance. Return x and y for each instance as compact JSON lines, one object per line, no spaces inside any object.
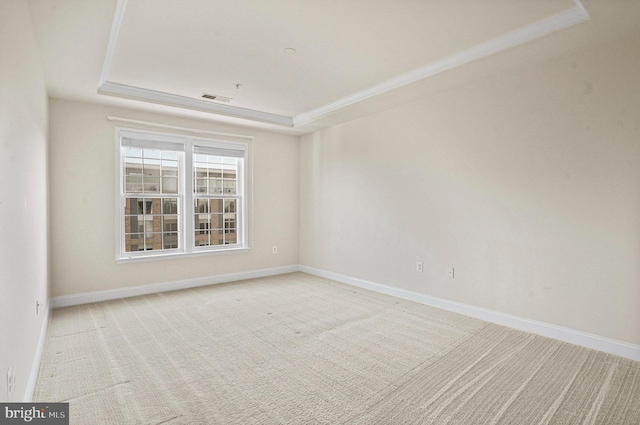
{"x":200,"y":170}
{"x":230,"y":173}
{"x":169,"y":185}
{"x":230,"y":223}
{"x":217,"y":237}
{"x":216,"y":205}
{"x":153,"y":241}
{"x":134,"y":242}
{"x":231,"y":238}
{"x":145,"y":169}
{"x":170,"y":206}
{"x":133,"y":152}
{"x":215,"y":186}
{"x":217,"y":221}
{"x":230,"y":187}
{"x":151,"y":224}
{"x":169,"y":240}
{"x":132,"y":166}
{"x":201,"y":238}
{"x":133,"y":184}
{"x":151,"y":184}
{"x":201,"y":224}
{"x":134,"y":206}
{"x":202,"y":205}
{"x":152,"y":153}
{"x":170,"y":168}
{"x":170,"y":155}
{"x":170,"y":223}
{"x":230,"y":205}
{"x":132,"y":224}
{"x":151,"y":167}
{"x":148,"y":224}
{"x":215,"y":172}
{"x":200,"y":186}
{"x":133,"y":172}
{"x":138,"y":226}
{"x":152,"y":206}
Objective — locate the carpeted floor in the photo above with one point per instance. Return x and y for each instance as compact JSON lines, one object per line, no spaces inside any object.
{"x":298,"y":349}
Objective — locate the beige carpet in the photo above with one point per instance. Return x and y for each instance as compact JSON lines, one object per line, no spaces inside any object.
{"x":298,"y":349}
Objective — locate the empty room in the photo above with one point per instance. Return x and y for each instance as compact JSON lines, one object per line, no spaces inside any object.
{"x":320,"y":212}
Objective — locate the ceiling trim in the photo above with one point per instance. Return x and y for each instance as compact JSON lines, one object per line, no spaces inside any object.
{"x":113,"y":39}
{"x":563,"y":20}
{"x":174,"y":127}
{"x":521,"y":36}
{"x":139,"y":93}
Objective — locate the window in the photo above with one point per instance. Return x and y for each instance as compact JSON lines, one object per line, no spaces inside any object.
{"x":179,"y":195}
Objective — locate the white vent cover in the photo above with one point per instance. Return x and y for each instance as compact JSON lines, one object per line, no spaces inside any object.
{"x":216,"y":97}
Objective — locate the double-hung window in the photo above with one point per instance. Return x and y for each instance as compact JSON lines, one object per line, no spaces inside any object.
{"x":179,"y":195}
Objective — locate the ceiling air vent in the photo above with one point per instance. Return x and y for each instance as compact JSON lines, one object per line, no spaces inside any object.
{"x":216,"y":97}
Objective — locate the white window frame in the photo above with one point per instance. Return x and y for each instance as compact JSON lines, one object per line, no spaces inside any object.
{"x":185,"y":195}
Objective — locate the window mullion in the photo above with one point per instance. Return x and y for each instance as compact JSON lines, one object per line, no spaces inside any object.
{"x":187,"y":222}
{"x":241,"y":206}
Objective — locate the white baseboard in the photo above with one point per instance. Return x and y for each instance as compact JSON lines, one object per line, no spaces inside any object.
{"x":35,"y":365}
{"x":607,"y":345}
{"x":132,"y":291}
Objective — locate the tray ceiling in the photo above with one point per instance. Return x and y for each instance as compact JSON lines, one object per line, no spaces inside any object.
{"x":283,"y":62}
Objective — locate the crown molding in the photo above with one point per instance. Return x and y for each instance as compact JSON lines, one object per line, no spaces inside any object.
{"x":566,"y":19}
{"x":118,"y":16}
{"x":139,"y":93}
{"x":563,"y":20}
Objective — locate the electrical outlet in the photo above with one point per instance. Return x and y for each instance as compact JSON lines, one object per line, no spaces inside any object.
{"x":274,"y":249}
{"x":419,"y":266}
{"x":450,"y":273}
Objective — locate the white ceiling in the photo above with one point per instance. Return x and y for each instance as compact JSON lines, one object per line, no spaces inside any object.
{"x":350,"y":54}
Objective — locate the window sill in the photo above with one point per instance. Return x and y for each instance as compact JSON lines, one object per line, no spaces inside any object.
{"x":170,"y":256}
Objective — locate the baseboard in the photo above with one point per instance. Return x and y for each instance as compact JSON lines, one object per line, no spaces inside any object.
{"x":35,"y":365}
{"x":607,"y":345}
{"x":132,"y":291}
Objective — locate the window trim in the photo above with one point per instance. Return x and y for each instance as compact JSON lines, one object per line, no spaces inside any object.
{"x":186,"y":196}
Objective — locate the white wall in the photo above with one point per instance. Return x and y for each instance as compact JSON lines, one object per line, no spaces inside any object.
{"x":23,"y":195}
{"x":528,"y":183}
{"x":82,"y":163}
